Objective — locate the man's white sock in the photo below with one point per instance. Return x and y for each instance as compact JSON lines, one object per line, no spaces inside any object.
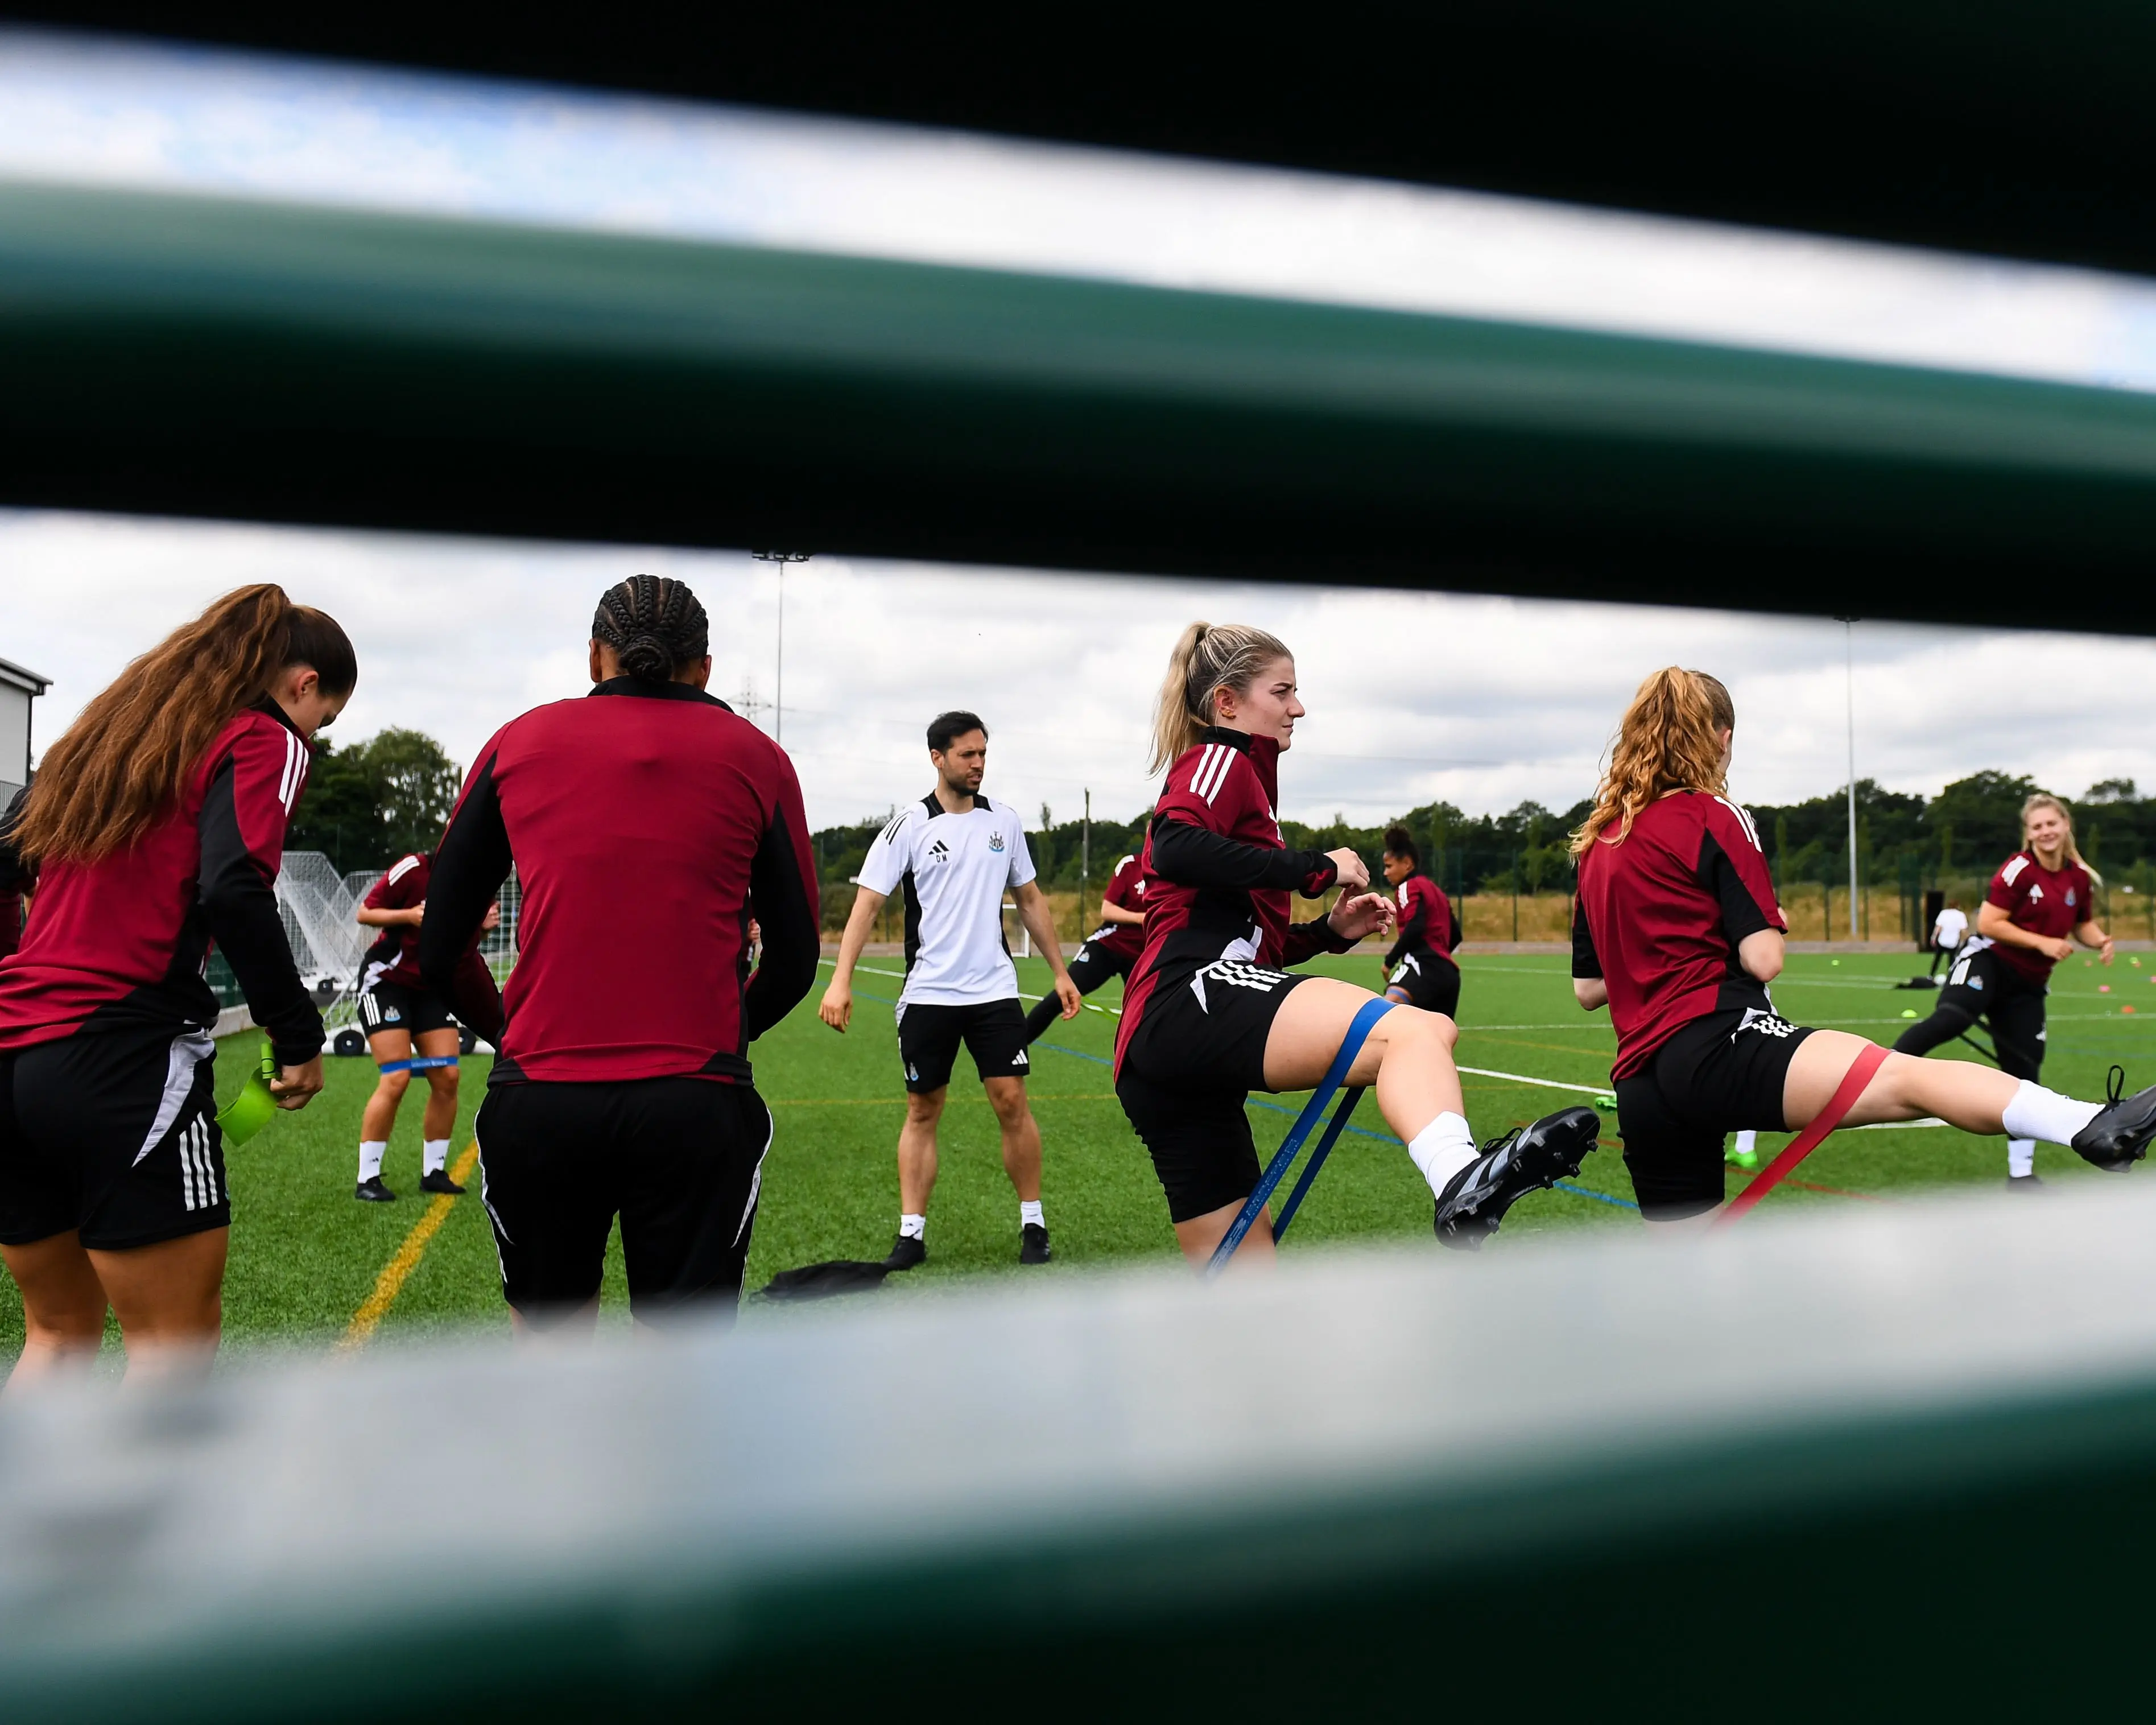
{"x":913,"y":1227}
{"x":1442,"y":1149}
{"x":434,"y":1155}
{"x":2036,"y":1112}
{"x":1028,"y":1214}
{"x":2021,"y":1156}
{"x":370,"y":1159}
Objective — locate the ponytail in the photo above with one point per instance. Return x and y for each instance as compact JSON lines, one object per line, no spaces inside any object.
{"x":127,"y":755}
{"x":1207,"y":657}
{"x":1667,"y":741}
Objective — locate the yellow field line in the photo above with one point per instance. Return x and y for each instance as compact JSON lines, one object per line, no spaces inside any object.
{"x":391,"y":1282}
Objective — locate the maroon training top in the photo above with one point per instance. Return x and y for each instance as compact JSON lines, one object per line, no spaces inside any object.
{"x":123,"y":940}
{"x":2047,"y":901}
{"x":640,"y":820}
{"x":1426,"y":924}
{"x":394,"y":956}
{"x":1219,"y":878}
{"x":1125,"y":892}
{"x":1660,"y":915}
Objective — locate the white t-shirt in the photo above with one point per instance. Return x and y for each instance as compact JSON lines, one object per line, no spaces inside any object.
{"x":954,"y":869}
{"x":1947,"y":932}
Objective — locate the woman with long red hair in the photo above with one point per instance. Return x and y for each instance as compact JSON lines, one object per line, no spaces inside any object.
{"x":156,"y":827}
{"x":1677,"y":931}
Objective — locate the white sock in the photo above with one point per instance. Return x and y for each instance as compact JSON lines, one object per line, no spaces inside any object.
{"x":913,"y":1227}
{"x":434,"y":1155}
{"x":1442,"y":1149}
{"x":1747,"y":1142}
{"x":370,"y":1159}
{"x":2036,"y":1112}
{"x":1028,"y":1213}
{"x":2021,"y":1156}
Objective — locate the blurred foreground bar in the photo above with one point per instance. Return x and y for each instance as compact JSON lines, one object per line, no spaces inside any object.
{"x":2017,"y":129}
{"x":251,"y":360}
{"x":1862,"y":1463}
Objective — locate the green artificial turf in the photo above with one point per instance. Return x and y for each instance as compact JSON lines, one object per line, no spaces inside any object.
{"x":304,"y":1254}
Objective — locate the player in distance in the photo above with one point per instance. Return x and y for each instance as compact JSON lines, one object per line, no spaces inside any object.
{"x":2041,"y":901}
{"x":1676,"y":931}
{"x":1109,"y":951}
{"x":1210,"y":1014}
{"x":953,"y":854}
{"x":1420,"y":969}
{"x":401,"y":1016}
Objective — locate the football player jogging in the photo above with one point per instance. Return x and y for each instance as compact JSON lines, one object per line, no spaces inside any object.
{"x":155,"y":827}
{"x":1421,"y":968}
{"x":640,"y":820}
{"x":1677,"y":933}
{"x":2041,"y":901}
{"x":954,"y":854}
{"x":1109,"y":951}
{"x":399,"y":1014}
{"x":1210,"y":1015}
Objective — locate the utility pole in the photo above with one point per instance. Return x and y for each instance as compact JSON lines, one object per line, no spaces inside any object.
{"x":782,"y":558}
{"x":1086,"y":859}
{"x":1849,"y":663}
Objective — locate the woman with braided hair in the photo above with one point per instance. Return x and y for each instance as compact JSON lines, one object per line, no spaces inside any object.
{"x":156,"y":826}
{"x":1677,"y":931}
{"x":642,"y":821}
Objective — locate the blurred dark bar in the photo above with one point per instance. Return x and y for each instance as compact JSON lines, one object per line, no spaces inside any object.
{"x":2026,"y":130}
{"x":251,"y":360}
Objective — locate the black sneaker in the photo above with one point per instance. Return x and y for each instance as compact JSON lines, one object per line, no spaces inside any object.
{"x":1032,"y":1244}
{"x":2024,"y":1183}
{"x":2119,"y":1137}
{"x":1527,"y":1160}
{"x":373,"y":1192}
{"x":908,"y":1252}
{"x":439,"y":1181}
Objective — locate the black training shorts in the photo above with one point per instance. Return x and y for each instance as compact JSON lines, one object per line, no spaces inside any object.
{"x":1720,"y":1074}
{"x":1094,"y":964}
{"x":1428,"y":981}
{"x":392,"y":1006}
{"x":112,"y":1133}
{"x":993,"y":1032}
{"x":1198,"y":1052}
{"x":1983,"y":985}
{"x":679,"y":1160}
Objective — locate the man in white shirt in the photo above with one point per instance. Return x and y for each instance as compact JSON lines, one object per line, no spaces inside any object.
{"x":1947,"y":934}
{"x":953,"y":854}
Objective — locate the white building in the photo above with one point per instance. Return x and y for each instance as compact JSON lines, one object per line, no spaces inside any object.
{"x":18,"y":688}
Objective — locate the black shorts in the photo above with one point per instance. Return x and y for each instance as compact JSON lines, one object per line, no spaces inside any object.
{"x":1431,"y":983}
{"x":392,"y":1006}
{"x":112,"y":1133}
{"x":680,"y":1160}
{"x":1720,"y":1074}
{"x":1984,"y":986}
{"x":993,"y":1032}
{"x":1093,"y":964}
{"x":1191,"y":1060}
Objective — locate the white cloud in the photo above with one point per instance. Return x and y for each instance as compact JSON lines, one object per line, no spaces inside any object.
{"x":1482,"y":702}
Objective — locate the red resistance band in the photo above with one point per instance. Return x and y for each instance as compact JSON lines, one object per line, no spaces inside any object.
{"x":1853,"y":1085}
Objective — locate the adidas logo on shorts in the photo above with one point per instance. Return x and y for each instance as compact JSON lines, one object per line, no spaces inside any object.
{"x":1765,"y":1023}
{"x":1236,"y":973}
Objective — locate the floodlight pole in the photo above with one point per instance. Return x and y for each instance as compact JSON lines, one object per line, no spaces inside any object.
{"x":1849,"y":689}
{"x":782,"y":558}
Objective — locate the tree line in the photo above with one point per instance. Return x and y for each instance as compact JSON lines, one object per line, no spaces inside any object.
{"x":369,"y":802}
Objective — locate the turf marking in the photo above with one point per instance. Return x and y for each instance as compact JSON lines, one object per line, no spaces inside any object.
{"x":390,"y":1283}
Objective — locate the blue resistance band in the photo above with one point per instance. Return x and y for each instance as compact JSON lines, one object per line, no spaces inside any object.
{"x":1336,"y":1075}
{"x":418,"y":1066}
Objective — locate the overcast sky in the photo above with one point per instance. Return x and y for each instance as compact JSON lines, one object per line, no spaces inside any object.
{"x":1484,"y":702}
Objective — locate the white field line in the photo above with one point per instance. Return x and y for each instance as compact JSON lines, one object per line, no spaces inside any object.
{"x":1603,"y":1090}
